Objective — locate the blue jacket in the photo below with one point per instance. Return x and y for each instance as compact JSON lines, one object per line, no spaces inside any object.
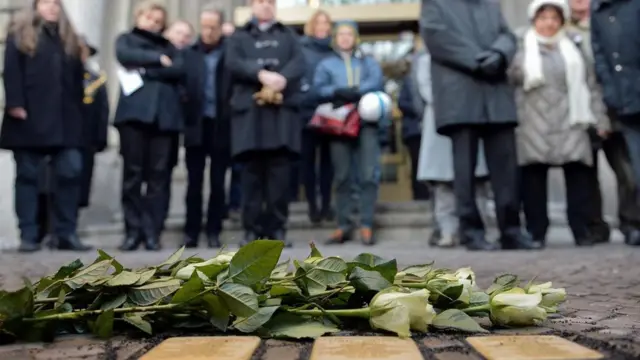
{"x":410,"y":119}
{"x":331,"y":75}
{"x":314,"y":51}
{"x":616,"y":50}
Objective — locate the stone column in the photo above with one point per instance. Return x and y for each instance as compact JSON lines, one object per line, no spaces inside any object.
{"x":88,"y":18}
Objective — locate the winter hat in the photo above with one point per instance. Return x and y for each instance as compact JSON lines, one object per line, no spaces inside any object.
{"x":348,"y":23}
{"x":535,"y":5}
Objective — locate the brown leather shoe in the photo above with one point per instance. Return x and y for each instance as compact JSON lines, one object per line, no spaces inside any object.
{"x":339,"y":236}
{"x":366,"y":236}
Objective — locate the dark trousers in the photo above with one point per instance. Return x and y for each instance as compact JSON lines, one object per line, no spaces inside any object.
{"x":175,"y":149}
{"x":420,"y":189}
{"x":294,"y":180}
{"x":631,"y":132}
{"x":534,"y":198}
{"x":219,"y":162}
{"x":66,"y":168}
{"x":235,"y":188}
{"x":316,"y":169}
{"x":86,"y":177}
{"x":146,"y":154}
{"x":500,"y":152}
{"x":617,"y":154}
{"x":266,"y":192}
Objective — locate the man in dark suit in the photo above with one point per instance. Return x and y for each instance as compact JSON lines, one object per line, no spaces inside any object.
{"x":207,"y":136}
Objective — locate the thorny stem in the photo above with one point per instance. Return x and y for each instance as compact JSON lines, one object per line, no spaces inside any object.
{"x":82,"y":313}
{"x":363,"y":313}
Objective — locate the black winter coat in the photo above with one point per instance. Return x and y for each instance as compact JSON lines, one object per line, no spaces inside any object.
{"x":49,"y":86}
{"x":158,"y":101}
{"x":615,"y":38}
{"x":456,"y":32}
{"x":257,"y":128}
{"x":195,"y":67}
{"x":96,"y":114}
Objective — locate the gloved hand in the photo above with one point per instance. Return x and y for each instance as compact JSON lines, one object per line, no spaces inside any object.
{"x":348,"y":95}
{"x":491,"y":63}
{"x":267,"y":95}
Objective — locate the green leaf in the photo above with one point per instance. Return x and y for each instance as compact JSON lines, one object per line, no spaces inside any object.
{"x":173,"y":259}
{"x":254,"y":262}
{"x":211,"y":271}
{"x":153,"y":292}
{"x":189,"y":290}
{"x":284,"y":290}
{"x":420,"y":271}
{"x":240,"y":299}
{"x":104,"y":256}
{"x":315,"y":253}
{"x":16,"y":305}
{"x":89,"y":274}
{"x":114,"y":302}
{"x":365,"y":280}
{"x":478,"y":298}
{"x":503,"y":283}
{"x":145,"y":276}
{"x":281,"y":270}
{"x":62,"y":296}
{"x":124,"y":278}
{"x":137,"y":321}
{"x":255,"y":321}
{"x":286,"y":325}
{"x":68,"y":270}
{"x":326,"y":272}
{"x":217,"y":311}
{"x":454,"y":319}
{"x":103,"y":327}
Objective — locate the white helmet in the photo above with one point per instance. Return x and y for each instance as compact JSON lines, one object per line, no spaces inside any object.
{"x":374,"y":106}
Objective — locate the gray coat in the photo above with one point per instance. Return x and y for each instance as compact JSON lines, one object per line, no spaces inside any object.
{"x":545,"y":134}
{"x":456,"y":32}
{"x":436,"y":152}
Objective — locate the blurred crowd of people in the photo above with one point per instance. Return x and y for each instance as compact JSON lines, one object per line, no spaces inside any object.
{"x":486,"y":112}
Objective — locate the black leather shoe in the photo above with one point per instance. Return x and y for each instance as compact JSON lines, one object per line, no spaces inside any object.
{"x":282,"y":236}
{"x":480,"y":244}
{"x":152,"y":243}
{"x":190,"y":242}
{"x":72,"y":243}
{"x":131,"y":243}
{"x":600,"y":231}
{"x":29,"y":247}
{"x":585,"y":242}
{"x":213,"y":241}
{"x":632,"y":238}
{"x":519,"y":241}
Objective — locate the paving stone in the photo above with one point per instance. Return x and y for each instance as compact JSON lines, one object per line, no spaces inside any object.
{"x":437,"y":343}
{"x":125,"y":348}
{"x":20,"y":351}
{"x":72,"y":347}
{"x":534,"y":330}
{"x":280,"y":350}
{"x":591,"y":315}
{"x":365,"y":348}
{"x":205,"y":348}
{"x":616,"y":332}
{"x":623,"y":321}
{"x":531,"y":348}
{"x":450,"y":355}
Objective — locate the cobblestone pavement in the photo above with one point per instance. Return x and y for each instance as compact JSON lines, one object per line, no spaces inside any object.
{"x":602,"y":311}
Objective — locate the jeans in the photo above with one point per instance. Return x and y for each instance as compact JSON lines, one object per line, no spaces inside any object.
{"x":67,"y":168}
{"x":356,"y":160}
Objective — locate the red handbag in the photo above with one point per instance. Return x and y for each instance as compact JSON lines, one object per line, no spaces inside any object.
{"x":343,"y":121}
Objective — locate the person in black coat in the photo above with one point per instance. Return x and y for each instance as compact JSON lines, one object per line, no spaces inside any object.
{"x":315,"y":164}
{"x":96,"y":115}
{"x":207,"y":136}
{"x":264,"y":56}
{"x":43,"y":83}
{"x":148,"y":120}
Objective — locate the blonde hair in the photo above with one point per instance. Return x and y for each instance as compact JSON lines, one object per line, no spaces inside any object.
{"x":310,"y":26}
{"x":26,"y":26}
{"x":151,"y":5}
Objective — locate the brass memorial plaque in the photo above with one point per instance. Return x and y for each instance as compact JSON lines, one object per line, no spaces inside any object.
{"x":542,"y":347}
{"x":365,"y":348}
{"x":205,"y":348}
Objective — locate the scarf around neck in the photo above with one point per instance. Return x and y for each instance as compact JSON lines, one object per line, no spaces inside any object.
{"x":578,"y":93}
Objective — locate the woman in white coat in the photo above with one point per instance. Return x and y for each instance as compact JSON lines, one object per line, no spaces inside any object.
{"x":436,"y":164}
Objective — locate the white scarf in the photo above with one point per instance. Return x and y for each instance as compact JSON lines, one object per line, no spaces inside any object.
{"x":579,"y":95}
